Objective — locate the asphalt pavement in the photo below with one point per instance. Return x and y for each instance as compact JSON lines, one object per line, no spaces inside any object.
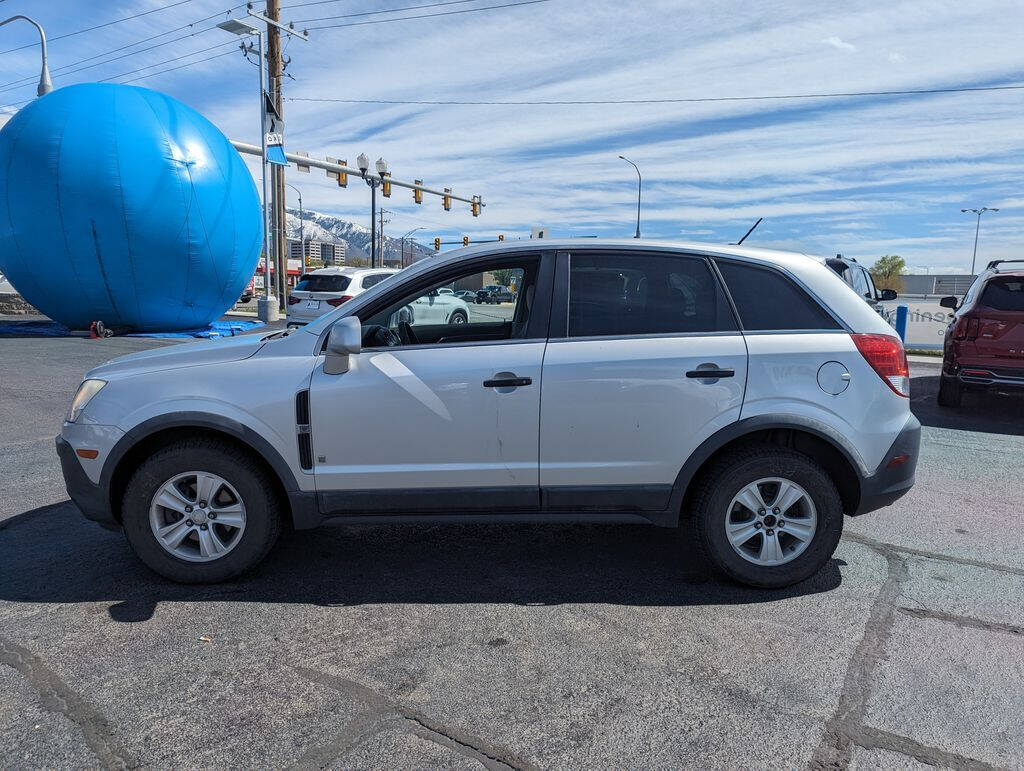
{"x":514,"y":646}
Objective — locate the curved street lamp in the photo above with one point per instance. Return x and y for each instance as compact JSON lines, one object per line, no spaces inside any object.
{"x":302,"y":228}
{"x":403,"y":242}
{"x":977,"y":227}
{"x":639,"y":183}
{"x":45,"y":84}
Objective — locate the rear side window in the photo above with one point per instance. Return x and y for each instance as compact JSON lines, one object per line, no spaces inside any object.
{"x":373,"y":279}
{"x":635,"y":293}
{"x":767,"y":300}
{"x":313,"y":282}
{"x":1004,"y":294}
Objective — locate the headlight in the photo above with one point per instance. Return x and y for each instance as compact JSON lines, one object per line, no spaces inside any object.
{"x":83,"y":396}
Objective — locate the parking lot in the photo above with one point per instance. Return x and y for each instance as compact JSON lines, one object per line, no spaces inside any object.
{"x":514,"y":646}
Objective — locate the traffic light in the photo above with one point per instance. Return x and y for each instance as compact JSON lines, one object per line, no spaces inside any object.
{"x":385,"y":187}
{"x":465,"y":240}
{"x":475,"y":206}
{"x":437,"y":244}
{"x":417,"y":194}
{"x":501,"y":236}
{"x":446,"y":199}
{"x":343,"y":175}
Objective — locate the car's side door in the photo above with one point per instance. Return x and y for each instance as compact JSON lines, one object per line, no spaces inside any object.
{"x":434,"y":417}
{"x":645,"y":361}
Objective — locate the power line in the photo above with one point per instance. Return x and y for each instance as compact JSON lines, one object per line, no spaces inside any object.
{"x":179,"y":67}
{"x":679,"y":100}
{"x":67,"y":68}
{"x":100,"y":26}
{"x":386,"y":10}
{"x":432,"y":15}
{"x":175,"y":59}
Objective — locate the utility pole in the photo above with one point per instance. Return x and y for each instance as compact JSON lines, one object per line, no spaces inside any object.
{"x":380,"y":235}
{"x":279,"y":218}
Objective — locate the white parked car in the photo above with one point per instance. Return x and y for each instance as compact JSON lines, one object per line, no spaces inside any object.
{"x":747,"y":390}
{"x":321,"y":291}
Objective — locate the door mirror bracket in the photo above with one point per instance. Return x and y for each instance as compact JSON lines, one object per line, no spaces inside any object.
{"x":344,"y":339}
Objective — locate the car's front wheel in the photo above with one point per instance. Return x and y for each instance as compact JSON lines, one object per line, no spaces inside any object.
{"x":200,"y":511}
{"x":767,"y":516}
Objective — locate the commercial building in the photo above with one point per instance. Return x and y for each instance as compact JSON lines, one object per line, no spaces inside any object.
{"x":318,"y":252}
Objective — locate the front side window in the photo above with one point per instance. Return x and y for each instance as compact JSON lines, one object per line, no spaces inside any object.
{"x":769,"y":301}
{"x":637,"y":293}
{"x":448,"y":311}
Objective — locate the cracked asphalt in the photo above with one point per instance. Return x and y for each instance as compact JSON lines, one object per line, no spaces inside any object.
{"x":514,"y":646}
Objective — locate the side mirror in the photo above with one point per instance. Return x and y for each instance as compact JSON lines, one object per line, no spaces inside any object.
{"x":888,"y":294}
{"x":949,"y":302}
{"x":344,"y":339}
{"x":432,"y":293}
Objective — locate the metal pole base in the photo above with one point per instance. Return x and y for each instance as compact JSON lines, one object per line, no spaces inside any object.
{"x":266,"y":309}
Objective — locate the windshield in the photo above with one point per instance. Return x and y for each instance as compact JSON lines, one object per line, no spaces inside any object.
{"x":323,"y":282}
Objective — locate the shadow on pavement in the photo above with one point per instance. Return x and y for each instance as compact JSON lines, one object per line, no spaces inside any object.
{"x":989,"y":412}
{"x":52,"y":555}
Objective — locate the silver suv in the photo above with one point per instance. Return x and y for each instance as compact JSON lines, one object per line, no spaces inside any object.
{"x":750,"y":391}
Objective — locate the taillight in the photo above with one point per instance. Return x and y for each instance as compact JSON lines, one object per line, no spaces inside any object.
{"x":293,"y":300}
{"x":887,"y":357}
{"x":336,"y":301}
{"x":966,"y":328}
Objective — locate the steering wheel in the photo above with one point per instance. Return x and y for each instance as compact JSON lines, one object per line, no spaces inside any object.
{"x":381,"y":337}
{"x":406,"y":334}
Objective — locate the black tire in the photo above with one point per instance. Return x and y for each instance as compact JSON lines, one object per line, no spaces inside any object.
{"x":951,"y":393}
{"x":262,"y":510}
{"x":730,"y":474}
{"x":458,"y":317}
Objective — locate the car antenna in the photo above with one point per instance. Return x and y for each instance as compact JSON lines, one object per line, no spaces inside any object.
{"x":749,"y":231}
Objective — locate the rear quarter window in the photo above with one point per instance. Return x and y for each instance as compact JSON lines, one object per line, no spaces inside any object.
{"x":1004,"y":294}
{"x":769,"y":301}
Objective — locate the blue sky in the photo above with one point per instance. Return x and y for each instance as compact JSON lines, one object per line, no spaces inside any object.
{"x":864,"y":176}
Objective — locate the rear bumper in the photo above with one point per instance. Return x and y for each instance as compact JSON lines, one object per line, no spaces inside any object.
{"x":1000,"y":377}
{"x":92,"y":500}
{"x":894,"y":477}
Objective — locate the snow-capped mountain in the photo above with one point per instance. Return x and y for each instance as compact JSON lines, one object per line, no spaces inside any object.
{"x":317,"y":226}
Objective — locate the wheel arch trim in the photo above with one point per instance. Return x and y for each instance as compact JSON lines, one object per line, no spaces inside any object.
{"x":199,"y":420}
{"x":752,"y":425}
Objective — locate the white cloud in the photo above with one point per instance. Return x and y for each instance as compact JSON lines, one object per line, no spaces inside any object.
{"x":837,"y":42}
{"x":896,"y":57}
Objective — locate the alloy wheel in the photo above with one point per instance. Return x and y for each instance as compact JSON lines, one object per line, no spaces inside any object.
{"x":197,"y":516}
{"x":771,"y":521}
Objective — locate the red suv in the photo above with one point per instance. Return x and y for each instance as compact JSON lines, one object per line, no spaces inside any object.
{"x":984,"y":345}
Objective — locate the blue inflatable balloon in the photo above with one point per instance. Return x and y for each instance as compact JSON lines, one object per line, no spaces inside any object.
{"x":122,"y":205}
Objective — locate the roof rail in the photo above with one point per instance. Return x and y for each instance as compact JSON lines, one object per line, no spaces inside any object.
{"x":995,"y":263}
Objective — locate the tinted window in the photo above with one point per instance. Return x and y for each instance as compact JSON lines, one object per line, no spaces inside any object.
{"x":323,"y":282}
{"x":766,"y":299}
{"x":1004,"y":294}
{"x":860,"y":284}
{"x":373,"y":279}
{"x":637,"y":294}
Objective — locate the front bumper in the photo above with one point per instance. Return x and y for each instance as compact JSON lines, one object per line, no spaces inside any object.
{"x":892,"y":480}
{"x":93,"y":500}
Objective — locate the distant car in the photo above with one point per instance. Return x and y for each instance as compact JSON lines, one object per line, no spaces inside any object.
{"x":984,"y":342}
{"x":321,"y":291}
{"x":247,"y":293}
{"x":859,"y":279}
{"x":495,"y":294}
{"x":466,"y":295}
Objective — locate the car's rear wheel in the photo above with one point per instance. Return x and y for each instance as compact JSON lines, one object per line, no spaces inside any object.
{"x":200,"y":511}
{"x":767,"y":516}
{"x":950,"y":392}
{"x":458,"y":317}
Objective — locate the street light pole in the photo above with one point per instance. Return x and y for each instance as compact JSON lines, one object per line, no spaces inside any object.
{"x":45,"y":84}
{"x":302,"y":226}
{"x":977,"y":228}
{"x":639,"y":184}
{"x":363,"y":164}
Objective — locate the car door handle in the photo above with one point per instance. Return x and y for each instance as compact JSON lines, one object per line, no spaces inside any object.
{"x":508,"y":382}
{"x":710,"y":373}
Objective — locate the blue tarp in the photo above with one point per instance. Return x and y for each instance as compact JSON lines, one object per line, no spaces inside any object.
{"x":54,"y":329}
